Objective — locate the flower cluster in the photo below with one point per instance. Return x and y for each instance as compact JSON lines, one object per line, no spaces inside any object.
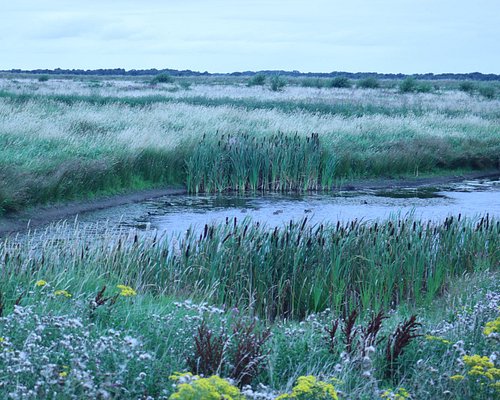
{"x":126,"y":291}
{"x":65,"y":356}
{"x":64,"y":293}
{"x":431,"y":338}
{"x":481,"y":366}
{"x":308,"y":387}
{"x":200,"y":308}
{"x":469,"y":318}
{"x":492,"y":328}
{"x":399,"y":394}
{"x":190,"y":386}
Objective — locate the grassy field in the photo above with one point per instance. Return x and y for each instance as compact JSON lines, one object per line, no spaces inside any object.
{"x":393,"y":309}
{"x":66,"y":138}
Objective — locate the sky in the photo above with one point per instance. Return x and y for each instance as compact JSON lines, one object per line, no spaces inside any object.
{"x":407,"y":36}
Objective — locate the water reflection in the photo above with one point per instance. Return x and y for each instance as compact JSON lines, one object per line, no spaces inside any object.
{"x":175,"y":214}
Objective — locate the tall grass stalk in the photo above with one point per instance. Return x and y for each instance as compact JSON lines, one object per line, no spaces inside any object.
{"x":287,"y":272}
{"x":243,"y":162}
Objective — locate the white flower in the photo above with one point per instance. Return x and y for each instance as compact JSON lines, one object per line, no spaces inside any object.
{"x":370,"y":349}
{"x":130,"y":341}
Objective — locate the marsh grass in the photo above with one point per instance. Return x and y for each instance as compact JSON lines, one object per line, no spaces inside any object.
{"x":354,"y":109}
{"x":274,"y":163}
{"x":287,"y":272}
{"x":283,"y":162}
{"x":62,"y":139}
{"x":145,"y":169}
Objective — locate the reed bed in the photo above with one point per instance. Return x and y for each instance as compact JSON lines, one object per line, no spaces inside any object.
{"x":287,"y":272}
{"x":275,"y":163}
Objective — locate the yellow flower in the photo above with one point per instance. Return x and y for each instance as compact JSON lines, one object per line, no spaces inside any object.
{"x":437,"y":339}
{"x":308,"y":387}
{"x":400,"y":394}
{"x":126,"y":291}
{"x":2,"y":339}
{"x":493,"y":373}
{"x":477,"y":361}
{"x":40,"y":283}
{"x":490,"y":373}
{"x":213,"y":388}
{"x":496,"y":386}
{"x":64,"y":373}
{"x":481,"y":366}
{"x":492,"y":327}
{"x":62,"y":293}
{"x":457,"y":378}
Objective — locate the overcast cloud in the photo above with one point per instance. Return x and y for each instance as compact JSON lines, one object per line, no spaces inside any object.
{"x":409,"y":36}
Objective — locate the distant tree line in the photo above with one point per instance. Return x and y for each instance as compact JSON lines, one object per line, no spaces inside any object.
{"x":471,"y":76}
{"x":111,"y":72}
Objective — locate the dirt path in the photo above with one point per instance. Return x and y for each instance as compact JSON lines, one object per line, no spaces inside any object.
{"x":43,"y":215}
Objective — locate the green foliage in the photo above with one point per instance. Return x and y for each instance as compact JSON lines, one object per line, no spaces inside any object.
{"x":43,"y":78}
{"x":162,"y":78}
{"x":185,"y":85}
{"x":313,"y":82}
{"x":408,"y":85}
{"x":293,"y":271}
{"x":277,"y":83}
{"x":340,"y":82}
{"x":63,"y":357}
{"x":245,"y":162}
{"x":82,"y":160}
{"x":424,"y":87}
{"x":94,"y":84}
{"x":368,"y":83}
{"x":130,"y":347}
{"x":467,"y":86}
{"x":487,"y":92}
{"x":59,"y":340}
{"x":81,"y":178}
{"x":257,"y":80}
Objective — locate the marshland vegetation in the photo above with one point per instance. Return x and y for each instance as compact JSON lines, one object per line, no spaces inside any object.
{"x":63,"y":139}
{"x":379,"y":307}
{"x":399,"y":308}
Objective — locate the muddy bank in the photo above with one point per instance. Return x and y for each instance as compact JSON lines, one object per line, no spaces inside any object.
{"x":41,"y":216}
{"x":436,"y":181}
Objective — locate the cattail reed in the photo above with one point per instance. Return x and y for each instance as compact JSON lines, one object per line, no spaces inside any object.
{"x":245,"y":163}
{"x":291,"y":270}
